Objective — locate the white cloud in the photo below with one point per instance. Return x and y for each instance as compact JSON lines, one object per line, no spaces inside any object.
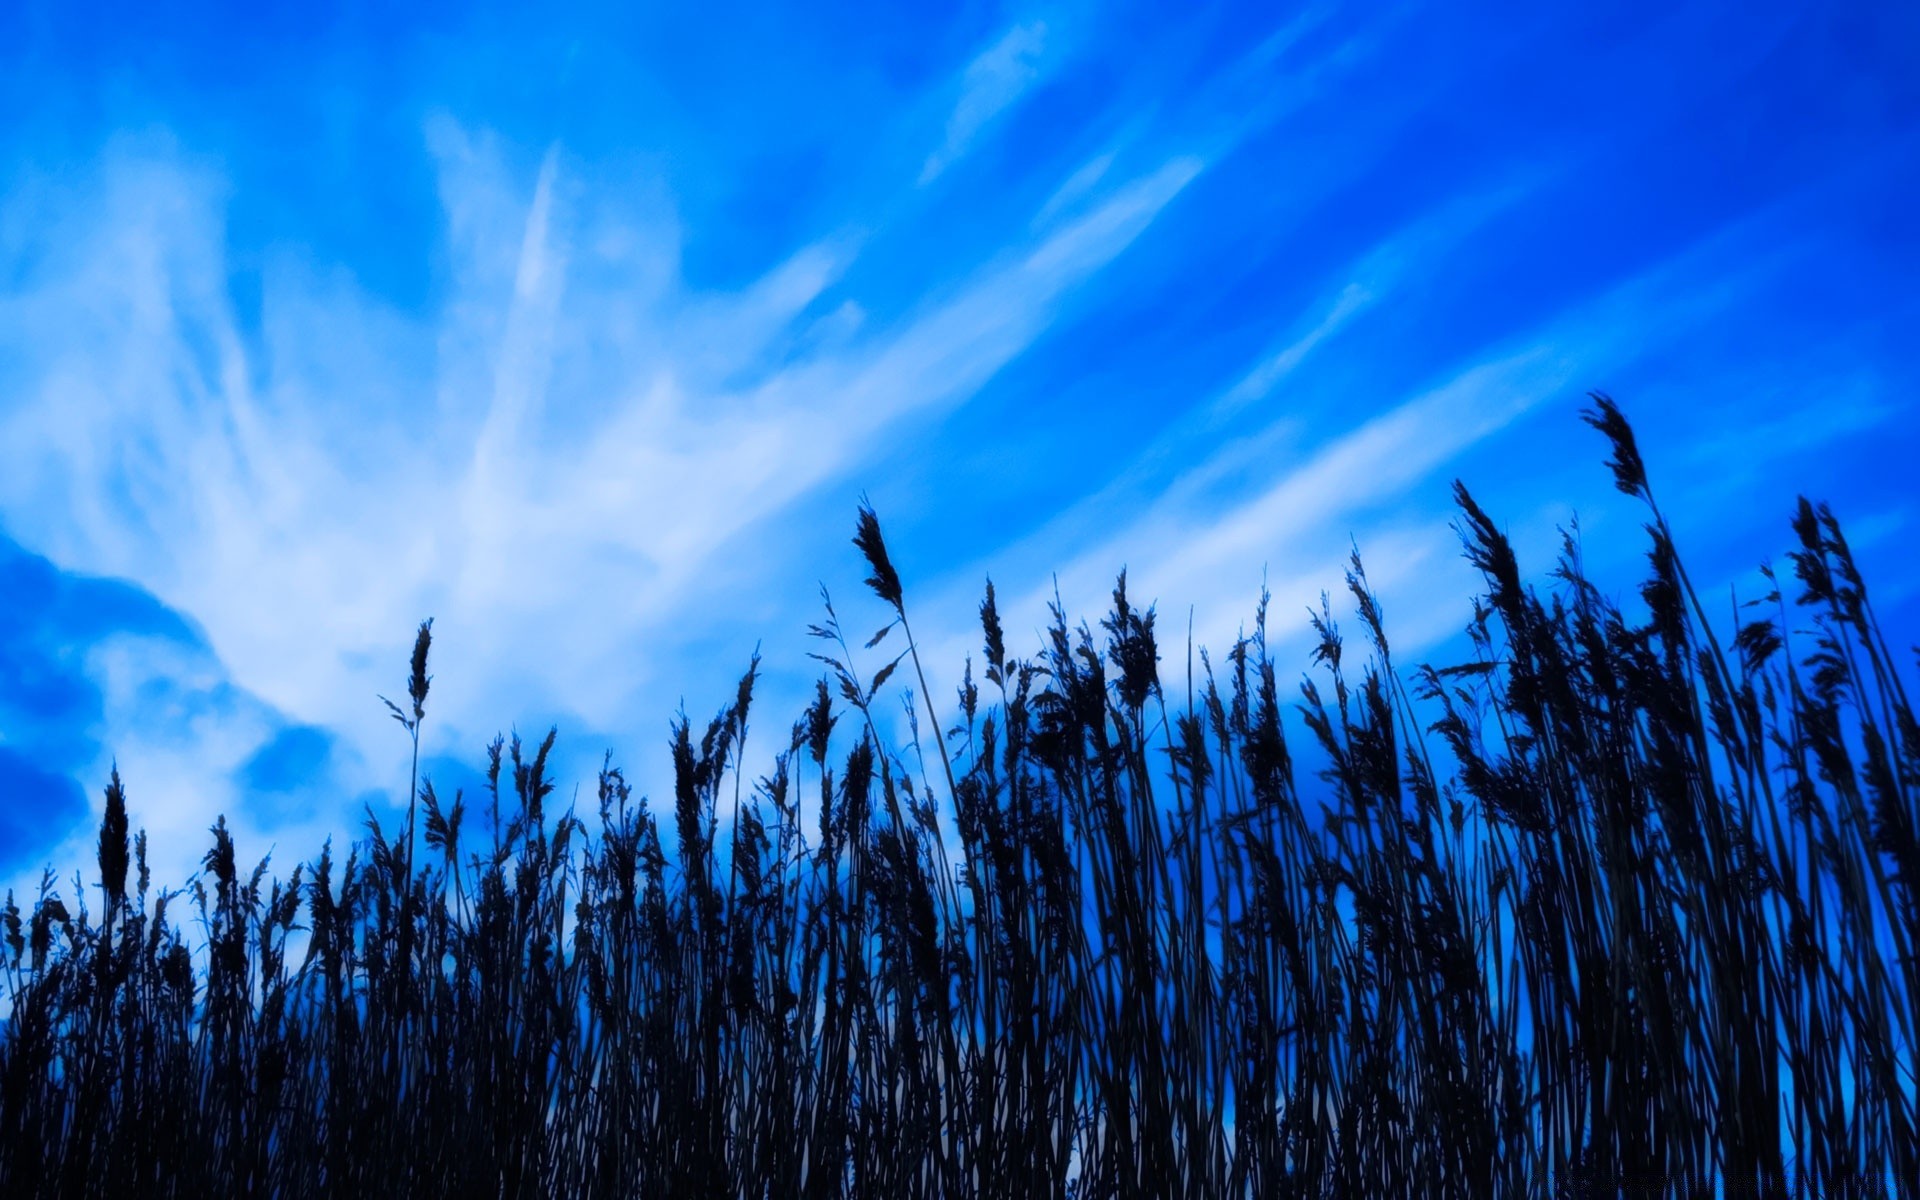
{"x":1255,"y":384}
{"x":1183,"y":551}
{"x":552,"y":460}
{"x":1077,"y":185}
{"x":992,"y":83}
{"x":1192,"y":545}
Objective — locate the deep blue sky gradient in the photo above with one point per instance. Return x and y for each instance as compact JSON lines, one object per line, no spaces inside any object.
{"x":314,"y":324}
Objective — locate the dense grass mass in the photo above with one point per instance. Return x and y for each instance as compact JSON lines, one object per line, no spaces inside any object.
{"x":1610,"y":908}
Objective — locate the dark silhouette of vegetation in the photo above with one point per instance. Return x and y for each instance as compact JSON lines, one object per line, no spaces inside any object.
{"x":1612,"y":907}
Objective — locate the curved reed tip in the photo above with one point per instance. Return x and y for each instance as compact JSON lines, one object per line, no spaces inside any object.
{"x":1629,"y":473}
{"x":884,"y":581}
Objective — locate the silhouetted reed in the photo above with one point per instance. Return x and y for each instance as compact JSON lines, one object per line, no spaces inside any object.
{"x":1610,"y":907}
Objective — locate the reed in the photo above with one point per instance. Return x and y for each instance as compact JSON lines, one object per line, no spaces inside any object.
{"x":1612,"y":906}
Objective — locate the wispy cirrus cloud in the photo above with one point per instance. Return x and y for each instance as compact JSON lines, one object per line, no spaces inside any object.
{"x":991,"y":84}
{"x":558,"y":502}
{"x":1252,"y":501}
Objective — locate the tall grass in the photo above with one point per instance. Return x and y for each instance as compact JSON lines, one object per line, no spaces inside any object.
{"x":1610,"y":907}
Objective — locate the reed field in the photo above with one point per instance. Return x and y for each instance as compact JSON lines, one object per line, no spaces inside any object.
{"x":1623,"y":904}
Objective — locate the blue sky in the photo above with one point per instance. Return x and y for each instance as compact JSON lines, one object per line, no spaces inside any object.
{"x":584,"y":334}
